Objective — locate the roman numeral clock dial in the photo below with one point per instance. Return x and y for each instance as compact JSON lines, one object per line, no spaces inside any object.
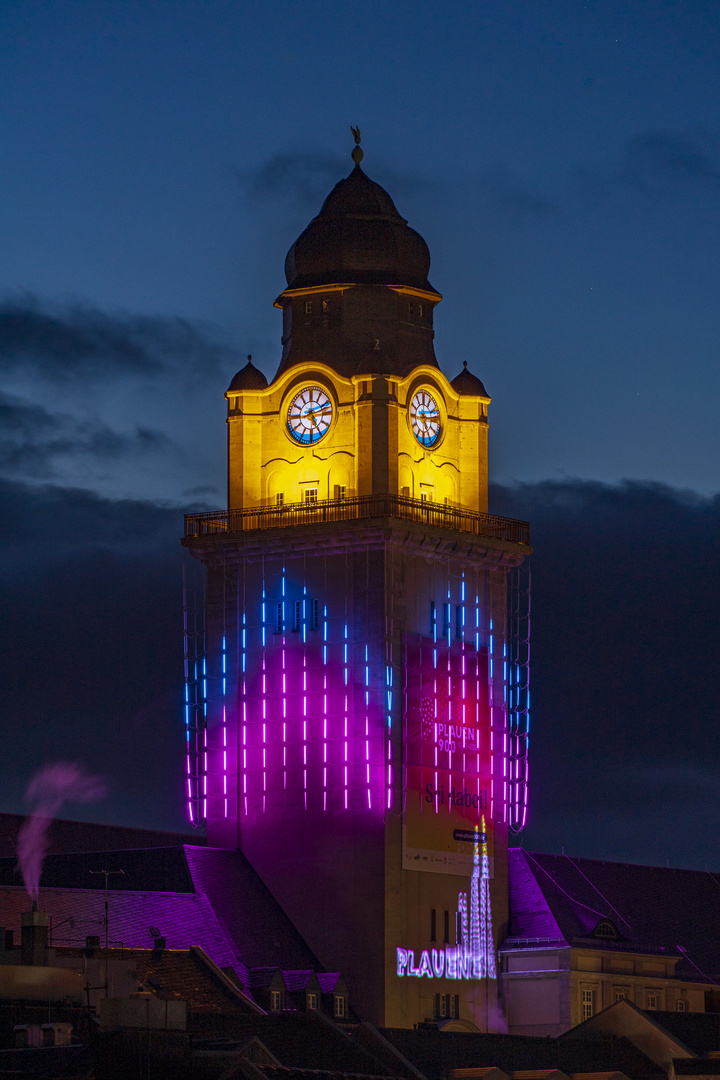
{"x":425,"y":418}
{"x":309,"y":415}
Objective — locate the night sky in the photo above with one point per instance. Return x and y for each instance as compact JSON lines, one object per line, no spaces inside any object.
{"x":562,"y":160}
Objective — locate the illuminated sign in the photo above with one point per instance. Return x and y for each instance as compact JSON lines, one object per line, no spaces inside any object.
{"x":448,"y":754}
{"x":473,"y":957}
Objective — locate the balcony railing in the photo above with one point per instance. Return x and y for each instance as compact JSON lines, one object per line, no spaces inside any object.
{"x":355,"y":509}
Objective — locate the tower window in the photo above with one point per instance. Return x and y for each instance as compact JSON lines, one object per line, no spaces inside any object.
{"x":314,"y":614}
{"x":297,"y":614}
{"x":325,"y":305}
{"x":433,"y":924}
{"x":279,"y":617}
{"x":308,"y":307}
{"x":587,"y":1004}
{"x":420,"y":310}
{"x":310,"y":495}
{"x":446,"y":928}
{"x":433,"y":618}
{"x":411,"y":308}
{"x":446,"y":618}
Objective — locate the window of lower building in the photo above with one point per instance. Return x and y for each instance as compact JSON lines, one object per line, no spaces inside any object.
{"x":280,"y":498}
{"x":446,"y":1006}
{"x":620,"y":995}
{"x":339,"y":1006}
{"x":587,"y":1004}
{"x":681,"y":1005}
{"x":340,"y":491}
{"x":276,"y":1000}
{"x":312,"y":1001}
{"x":651,"y":1001}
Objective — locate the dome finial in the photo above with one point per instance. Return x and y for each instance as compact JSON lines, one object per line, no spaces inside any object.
{"x":357,"y":154}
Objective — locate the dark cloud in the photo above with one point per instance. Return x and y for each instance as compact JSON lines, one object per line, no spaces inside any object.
{"x":33,"y":440}
{"x":73,"y":342}
{"x":656,"y":165}
{"x":626,"y":636}
{"x":512,"y":196}
{"x":91,"y":662}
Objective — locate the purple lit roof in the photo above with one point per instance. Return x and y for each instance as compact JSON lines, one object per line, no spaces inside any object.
{"x":183,"y":919}
{"x":654,"y":909}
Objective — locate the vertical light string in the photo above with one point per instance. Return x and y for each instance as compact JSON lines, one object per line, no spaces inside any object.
{"x":325,"y":703}
{"x":284,"y":678}
{"x":244,"y":704}
{"x":205,"y":713}
{"x":367,"y":681}
{"x":346,"y":709}
{"x":506,"y":755}
{"x":263,"y":635}
{"x":389,"y":630}
{"x":224,"y":722}
{"x":190,"y":749}
{"x":305,"y":688}
{"x":433,"y":616}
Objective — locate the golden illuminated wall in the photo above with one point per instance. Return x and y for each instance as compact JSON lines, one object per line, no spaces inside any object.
{"x":369,"y":447}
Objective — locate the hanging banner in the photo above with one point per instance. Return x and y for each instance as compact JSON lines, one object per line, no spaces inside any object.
{"x":447,"y":754}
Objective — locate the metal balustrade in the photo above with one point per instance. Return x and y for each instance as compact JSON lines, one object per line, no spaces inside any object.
{"x":359,"y":508}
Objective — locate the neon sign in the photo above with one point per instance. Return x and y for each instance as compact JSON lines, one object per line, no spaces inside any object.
{"x":474,"y":955}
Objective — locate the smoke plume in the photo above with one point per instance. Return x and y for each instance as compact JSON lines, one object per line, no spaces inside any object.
{"x":48,"y":790}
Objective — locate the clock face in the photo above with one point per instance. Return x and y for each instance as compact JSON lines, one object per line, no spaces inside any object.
{"x":309,"y":415}
{"x":425,"y":418}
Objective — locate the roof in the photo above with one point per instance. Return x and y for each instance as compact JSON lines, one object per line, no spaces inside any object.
{"x":248,"y":378}
{"x":655,"y":909}
{"x":263,"y":933}
{"x":435,"y":1052}
{"x":468,"y":384}
{"x":183,"y":919}
{"x":358,"y":238}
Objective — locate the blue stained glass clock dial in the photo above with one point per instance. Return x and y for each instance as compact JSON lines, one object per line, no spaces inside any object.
{"x":425,"y":418}
{"x":309,"y":415}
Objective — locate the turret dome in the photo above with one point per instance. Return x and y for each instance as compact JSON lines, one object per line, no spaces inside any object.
{"x":467,"y":383}
{"x":248,"y":378}
{"x":358,"y":237}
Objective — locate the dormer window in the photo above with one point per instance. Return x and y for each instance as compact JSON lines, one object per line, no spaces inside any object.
{"x":605,"y":929}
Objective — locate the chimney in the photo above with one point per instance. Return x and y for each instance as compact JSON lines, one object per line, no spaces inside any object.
{"x":33,"y":938}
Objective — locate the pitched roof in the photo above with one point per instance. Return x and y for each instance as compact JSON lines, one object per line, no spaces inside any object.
{"x":435,"y":1052}
{"x":88,"y":836}
{"x":655,"y":909}
{"x":183,"y":919}
{"x":263,"y":933}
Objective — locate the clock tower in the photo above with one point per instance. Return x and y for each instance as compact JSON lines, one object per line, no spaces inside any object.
{"x":357,"y":711}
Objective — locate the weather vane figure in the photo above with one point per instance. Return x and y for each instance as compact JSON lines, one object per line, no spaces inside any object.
{"x":357,"y":154}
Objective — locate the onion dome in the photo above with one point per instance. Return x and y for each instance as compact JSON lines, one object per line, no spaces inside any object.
{"x":358,"y":237}
{"x":467,"y":383}
{"x":248,"y":378}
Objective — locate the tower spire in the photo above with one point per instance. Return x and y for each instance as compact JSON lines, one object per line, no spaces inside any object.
{"x":357,"y":154}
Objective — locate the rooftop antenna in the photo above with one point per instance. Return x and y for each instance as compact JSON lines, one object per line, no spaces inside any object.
{"x":357,"y":154}
{"x":107,"y":874}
